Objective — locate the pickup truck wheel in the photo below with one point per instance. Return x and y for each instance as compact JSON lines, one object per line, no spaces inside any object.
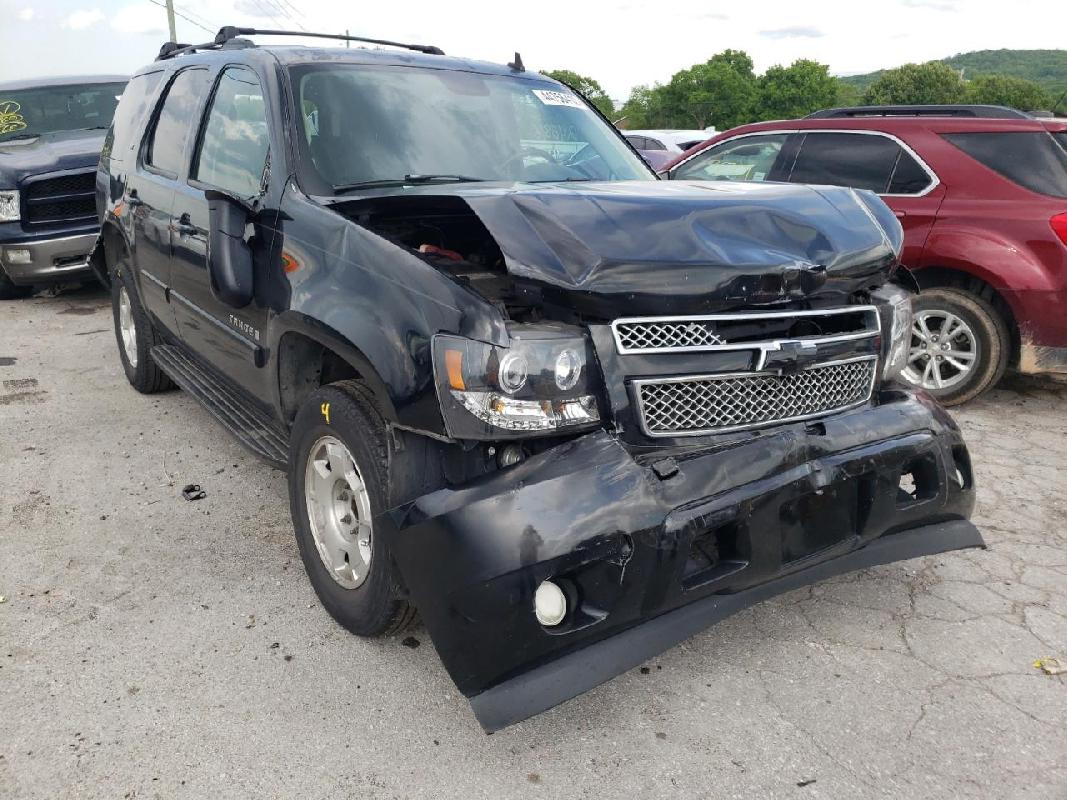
{"x":959,"y":345}
{"x":136,"y":336}
{"x":9,"y":291}
{"x":338,"y":483}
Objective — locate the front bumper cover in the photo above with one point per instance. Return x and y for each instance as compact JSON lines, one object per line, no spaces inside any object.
{"x":649,"y":555}
{"x":51,"y":259}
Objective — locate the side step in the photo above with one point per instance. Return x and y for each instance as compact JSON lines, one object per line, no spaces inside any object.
{"x":251,"y":427}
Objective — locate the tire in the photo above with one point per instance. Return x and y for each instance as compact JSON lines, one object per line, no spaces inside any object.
{"x":141,"y":370}
{"x":983,"y":334}
{"x":10,"y":291}
{"x":363,"y":594}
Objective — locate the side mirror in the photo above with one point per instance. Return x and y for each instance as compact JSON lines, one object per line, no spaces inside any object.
{"x":229,"y":257}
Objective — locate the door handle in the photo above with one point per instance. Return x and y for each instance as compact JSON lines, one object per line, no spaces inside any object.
{"x":133,"y":200}
{"x":900,"y":214}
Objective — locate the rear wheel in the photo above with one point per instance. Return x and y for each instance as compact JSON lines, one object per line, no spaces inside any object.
{"x":136,"y":336}
{"x":959,"y":345}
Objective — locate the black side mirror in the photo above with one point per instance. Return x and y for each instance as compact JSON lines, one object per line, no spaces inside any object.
{"x":229,"y":257}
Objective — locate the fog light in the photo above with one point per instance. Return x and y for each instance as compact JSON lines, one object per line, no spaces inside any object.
{"x":17,"y":255}
{"x":509,"y":455}
{"x":550,"y":604}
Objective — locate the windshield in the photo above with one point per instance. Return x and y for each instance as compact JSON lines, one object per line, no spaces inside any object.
{"x":376,"y":125}
{"x":46,"y":109}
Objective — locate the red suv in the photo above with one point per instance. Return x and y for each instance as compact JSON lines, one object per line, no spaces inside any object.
{"x":981,"y":192}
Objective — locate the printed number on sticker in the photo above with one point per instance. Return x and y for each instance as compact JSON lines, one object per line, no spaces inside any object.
{"x":554,"y":98}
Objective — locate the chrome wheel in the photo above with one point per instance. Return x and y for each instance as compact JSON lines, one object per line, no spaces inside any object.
{"x":339,"y":512}
{"x":944,"y":350}
{"x":127,"y":327}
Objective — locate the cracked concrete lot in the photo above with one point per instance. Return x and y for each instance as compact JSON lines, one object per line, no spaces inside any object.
{"x":152,"y":647}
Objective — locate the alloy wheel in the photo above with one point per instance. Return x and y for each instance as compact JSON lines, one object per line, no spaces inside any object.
{"x":127,"y":327}
{"x":944,"y":350}
{"x":339,"y":511}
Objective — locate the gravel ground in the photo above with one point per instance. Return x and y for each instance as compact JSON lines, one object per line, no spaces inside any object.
{"x":151,"y":647}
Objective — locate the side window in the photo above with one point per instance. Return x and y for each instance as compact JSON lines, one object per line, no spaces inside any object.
{"x":130,"y":114}
{"x":747,"y":158}
{"x":654,"y":144}
{"x":908,"y":177}
{"x":166,"y":147}
{"x":639,"y":142}
{"x":234,"y":144}
{"x":861,"y":161}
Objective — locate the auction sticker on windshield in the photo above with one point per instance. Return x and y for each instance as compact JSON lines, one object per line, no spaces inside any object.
{"x":553,"y":98}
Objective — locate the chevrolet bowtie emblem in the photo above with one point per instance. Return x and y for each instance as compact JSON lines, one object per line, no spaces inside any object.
{"x":791,"y":357}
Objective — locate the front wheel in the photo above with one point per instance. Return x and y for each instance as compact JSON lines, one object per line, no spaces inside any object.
{"x":959,"y":345}
{"x":338,"y":484}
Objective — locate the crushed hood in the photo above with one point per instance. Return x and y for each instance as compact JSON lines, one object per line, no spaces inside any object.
{"x":672,"y":246}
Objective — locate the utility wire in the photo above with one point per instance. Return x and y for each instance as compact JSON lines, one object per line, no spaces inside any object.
{"x":190,"y":20}
{"x":287,"y":14}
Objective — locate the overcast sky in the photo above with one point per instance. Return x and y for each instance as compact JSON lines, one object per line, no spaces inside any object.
{"x":621,"y":43}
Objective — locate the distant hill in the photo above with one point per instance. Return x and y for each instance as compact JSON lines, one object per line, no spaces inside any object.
{"x":1048,"y":68}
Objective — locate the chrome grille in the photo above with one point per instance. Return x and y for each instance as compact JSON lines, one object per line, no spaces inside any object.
{"x":661,"y":335}
{"x":756,"y":330}
{"x":716,"y":403}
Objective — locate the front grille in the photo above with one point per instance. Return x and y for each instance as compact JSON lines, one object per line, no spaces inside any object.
{"x":70,"y":197}
{"x":661,"y":335}
{"x":716,"y":403}
{"x":743,"y":330}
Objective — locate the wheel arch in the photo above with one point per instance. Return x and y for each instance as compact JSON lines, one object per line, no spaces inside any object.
{"x":310,"y":354}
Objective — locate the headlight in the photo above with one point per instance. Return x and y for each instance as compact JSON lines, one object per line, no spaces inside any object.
{"x":9,"y":206}
{"x":542,"y":383}
{"x":894,"y":305}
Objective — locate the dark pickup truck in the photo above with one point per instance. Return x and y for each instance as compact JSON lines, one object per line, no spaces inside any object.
{"x":569,"y":413}
{"x":51,"y":134}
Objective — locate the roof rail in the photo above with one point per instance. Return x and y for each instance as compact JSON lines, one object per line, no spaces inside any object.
{"x":973,"y":111}
{"x":227,"y":37}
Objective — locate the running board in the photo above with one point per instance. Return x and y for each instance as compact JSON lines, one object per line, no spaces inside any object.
{"x":251,"y":427}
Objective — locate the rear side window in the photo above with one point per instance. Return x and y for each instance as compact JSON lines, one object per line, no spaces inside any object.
{"x":860,"y":161}
{"x":654,"y":144}
{"x":130,"y":114}
{"x":233,"y":150}
{"x":1033,"y":160}
{"x":180,"y":109}
{"x":747,"y":158}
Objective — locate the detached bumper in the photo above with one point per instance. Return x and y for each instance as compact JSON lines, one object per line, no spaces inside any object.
{"x":47,"y":260}
{"x":650,"y":552}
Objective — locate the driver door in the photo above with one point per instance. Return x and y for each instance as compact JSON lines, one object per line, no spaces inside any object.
{"x":231,"y":155}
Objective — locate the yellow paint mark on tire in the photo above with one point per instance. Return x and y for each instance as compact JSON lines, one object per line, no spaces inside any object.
{"x":325,"y":409}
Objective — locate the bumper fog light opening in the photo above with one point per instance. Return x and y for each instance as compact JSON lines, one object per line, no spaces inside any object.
{"x":550,"y":604}
{"x":17,"y":255}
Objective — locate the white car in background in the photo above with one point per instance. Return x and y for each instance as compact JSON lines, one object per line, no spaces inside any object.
{"x":673,"y":141}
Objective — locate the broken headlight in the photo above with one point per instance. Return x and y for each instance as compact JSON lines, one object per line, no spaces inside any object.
{"x":894,"y":306}
{"x":545,"y":382}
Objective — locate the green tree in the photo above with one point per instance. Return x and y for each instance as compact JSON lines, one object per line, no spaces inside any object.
{"x":1002,"y":90}
{"x":587,"y":86}
{"x":847,"y":94}
{"x":641,"y":109}
{"x":932,"y":82}
{"x":720,"y":91}
{"x":796,"y":90}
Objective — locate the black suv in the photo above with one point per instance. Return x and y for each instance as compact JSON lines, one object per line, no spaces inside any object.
{"x":570,"y":413}
{"x":51,"y":134}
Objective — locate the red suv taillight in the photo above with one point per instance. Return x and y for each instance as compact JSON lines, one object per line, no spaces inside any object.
{"x":1059,"y":226}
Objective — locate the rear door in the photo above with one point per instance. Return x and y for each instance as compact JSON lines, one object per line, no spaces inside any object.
{"x":150,"y":193}
{"x":231,"y":155}
{"x":882,"y":164}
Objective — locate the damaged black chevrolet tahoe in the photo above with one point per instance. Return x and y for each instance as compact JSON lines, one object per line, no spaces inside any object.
{"x":568,"y":412}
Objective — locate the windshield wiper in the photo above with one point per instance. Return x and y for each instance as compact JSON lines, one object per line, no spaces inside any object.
{"x":20,"y":136}
{"x":407,"y":180}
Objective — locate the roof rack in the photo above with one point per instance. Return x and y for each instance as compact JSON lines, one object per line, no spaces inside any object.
{"x":228,"y":37}
{"x":973,"y":111}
